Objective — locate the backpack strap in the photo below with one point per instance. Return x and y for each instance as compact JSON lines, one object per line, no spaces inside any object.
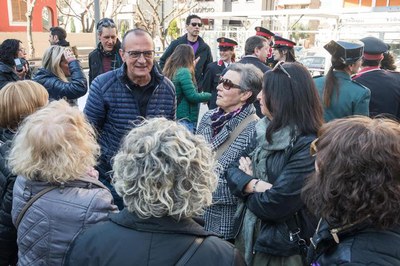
{"x":190,"y":251}
{"x":30,"y":202}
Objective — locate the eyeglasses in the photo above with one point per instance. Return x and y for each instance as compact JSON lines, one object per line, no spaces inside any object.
{"x":228,"y":84}
{"x":136,"y":54}
{"x":279,"y":66}
{"x":194,"y":24}
{"x":313,"y":147}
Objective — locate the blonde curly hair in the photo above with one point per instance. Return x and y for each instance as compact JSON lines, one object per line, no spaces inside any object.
{"x":164,"y":170}
{"x":54,"y":144}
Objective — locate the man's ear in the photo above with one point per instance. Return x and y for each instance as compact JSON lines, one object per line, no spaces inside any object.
{"x":122,"y":54}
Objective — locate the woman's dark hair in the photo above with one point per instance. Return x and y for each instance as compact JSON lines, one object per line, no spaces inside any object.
{"x":388,"y":62}
{"x":331,"y":85}
{"x":292,"y":101}
{"x":290,"y":56}
{"x":358,"y":174}
{"x":9,"y":51}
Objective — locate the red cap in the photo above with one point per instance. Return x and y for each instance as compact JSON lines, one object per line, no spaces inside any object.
{"x":226,"y":42}
{"x":263,"y":32}
{"x":279,"y":42}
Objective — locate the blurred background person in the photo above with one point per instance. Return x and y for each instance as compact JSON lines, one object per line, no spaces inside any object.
{"x":59,"y":64}
{"x":17,"y":100}
{"x":356,"y":191}
{"x":341,"y":96}
{"x":53,"y":154}
{"x":165,"y":176}
{"x":276,"y":223}
{"x":106,"y":56}
{"x":283,"y":49}
{"x":389,"y":61}
{"x":13,"y":64}
{"x":58,"y":36}
{"x":179,"y":68}
{"x":215,"y":69}
{"x":383,"y":84}
{"x":229,"y":129}
{"x":269,"y":35}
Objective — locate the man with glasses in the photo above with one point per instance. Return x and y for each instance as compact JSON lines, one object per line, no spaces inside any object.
{"x":214,"y":70}
{"x":106,"y":56}
{"x":202,"y":51}
{"x":119,"y":100}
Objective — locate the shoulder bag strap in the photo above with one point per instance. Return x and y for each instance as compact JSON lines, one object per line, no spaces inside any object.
{"x":234,"y":134}
{"x":190,"y":251}
{"x":30,"y":202}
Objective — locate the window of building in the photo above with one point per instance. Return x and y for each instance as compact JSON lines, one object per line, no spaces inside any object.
{"x":17,"y":10}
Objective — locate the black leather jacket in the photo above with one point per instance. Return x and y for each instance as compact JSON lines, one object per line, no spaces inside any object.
{"x":288,"y":163}
{"x":359,"y":244}
{"x":6,"y":75}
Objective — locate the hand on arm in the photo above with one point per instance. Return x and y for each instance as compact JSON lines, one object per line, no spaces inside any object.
{"x":255,"y":185}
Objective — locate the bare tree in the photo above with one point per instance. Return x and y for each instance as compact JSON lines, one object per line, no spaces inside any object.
{"x":85,"y":12}
{"x":156,"y":20}
{"x":30,"y":4}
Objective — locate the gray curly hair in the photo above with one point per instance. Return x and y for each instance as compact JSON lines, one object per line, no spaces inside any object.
{"x":164,"y":170}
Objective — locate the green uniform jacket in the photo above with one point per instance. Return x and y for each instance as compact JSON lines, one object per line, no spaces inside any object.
{"x":353,"y":98}
{"x":188,"y":98}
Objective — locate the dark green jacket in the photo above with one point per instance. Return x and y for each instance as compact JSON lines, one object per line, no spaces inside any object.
{"x":188,"y":98}
{"x":352,"y":99}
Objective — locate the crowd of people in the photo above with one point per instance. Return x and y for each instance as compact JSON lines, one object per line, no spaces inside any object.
{"x":283,"y":169}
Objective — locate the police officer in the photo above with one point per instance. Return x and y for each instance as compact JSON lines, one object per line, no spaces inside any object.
{"x":226,"y":48}
{"x":384,"y":84}
{"x":269,"y":35}
{"x":283,"y":50}
{"x":341,"y":96}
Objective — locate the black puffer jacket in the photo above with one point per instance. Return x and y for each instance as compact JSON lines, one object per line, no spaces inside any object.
{"x":358,"y":245}
{"x":128,"y":240}
{"x":6,"y":75}
{"x":57,"y":88}
{"x":8,"y":233}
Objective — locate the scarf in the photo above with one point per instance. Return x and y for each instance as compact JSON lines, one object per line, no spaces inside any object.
{"x":219,"y":118}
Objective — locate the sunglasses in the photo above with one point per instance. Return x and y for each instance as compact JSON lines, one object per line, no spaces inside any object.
{"x":194,"y":24}
{"x":279,"y":66}
{"x":313,"y":147}
{"x":136,"y":54}
{"x":105,"y":22}
{"x":228,"y":84}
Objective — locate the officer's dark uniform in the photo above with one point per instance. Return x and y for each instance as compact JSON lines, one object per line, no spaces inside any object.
{"x":383,"y":84}
{"x":214,"y":71}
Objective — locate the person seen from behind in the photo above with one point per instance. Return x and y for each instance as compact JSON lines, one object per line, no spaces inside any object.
{"x":356,"y":192}
{"x":18,"y":100}
{"x":165,"y":175}
{"x":56,"y":193}
{"x":179,"y":68}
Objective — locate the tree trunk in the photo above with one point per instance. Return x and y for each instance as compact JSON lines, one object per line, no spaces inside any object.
{"x":31,"y":49}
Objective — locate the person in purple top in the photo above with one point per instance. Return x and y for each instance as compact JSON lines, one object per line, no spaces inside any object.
{"x":202,"y":51}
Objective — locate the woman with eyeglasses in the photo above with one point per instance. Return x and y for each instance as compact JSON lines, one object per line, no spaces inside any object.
{"x":229,"y":129}
{"x":342,"y":97}
{"x":356,"y":192}
{"x":179,"y":68}
{"x":61,"y":74}
{"x":274,"y":221}
{"x":13,"y":63}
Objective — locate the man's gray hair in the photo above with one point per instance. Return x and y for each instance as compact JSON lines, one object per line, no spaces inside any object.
{"x":164,"y":170}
